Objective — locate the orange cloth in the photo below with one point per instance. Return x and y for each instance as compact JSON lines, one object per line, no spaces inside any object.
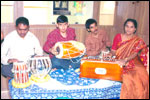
{"x":135,"y":78}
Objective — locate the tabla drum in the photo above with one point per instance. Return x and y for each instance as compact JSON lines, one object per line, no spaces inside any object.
{"x":69,"y":49}
{"x":40,"y":67}
{"x":21,"y":75}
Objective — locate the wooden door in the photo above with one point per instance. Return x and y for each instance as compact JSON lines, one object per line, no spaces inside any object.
{"x":138,"y":10}
{"x":142,"y":17}
{"x":124,"y":10}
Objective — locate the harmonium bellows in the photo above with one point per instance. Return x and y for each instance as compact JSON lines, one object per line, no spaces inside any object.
{"x":97,"y":69}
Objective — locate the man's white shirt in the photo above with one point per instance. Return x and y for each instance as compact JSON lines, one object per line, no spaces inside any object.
{"x":15,"y":47}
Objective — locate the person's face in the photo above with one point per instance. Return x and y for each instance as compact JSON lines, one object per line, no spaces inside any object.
{"x":129,"y":28}
{"x":93,"y":28}
{"x":62,"y":27}
{"x":22,"y":30}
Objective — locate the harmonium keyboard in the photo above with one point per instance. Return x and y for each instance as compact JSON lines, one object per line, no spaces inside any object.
{"x":100,"y":69}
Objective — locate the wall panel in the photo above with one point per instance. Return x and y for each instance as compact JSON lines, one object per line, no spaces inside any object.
{"x":42,"y":31}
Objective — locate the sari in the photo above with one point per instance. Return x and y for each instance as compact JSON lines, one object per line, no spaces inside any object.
{"x":135,"y":77}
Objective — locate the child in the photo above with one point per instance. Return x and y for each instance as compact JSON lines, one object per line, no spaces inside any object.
{"x":62,"y":33}
{"x":97,"y":41}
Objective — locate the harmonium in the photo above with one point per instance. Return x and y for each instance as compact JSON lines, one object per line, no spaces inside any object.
{"x":100,"y":69}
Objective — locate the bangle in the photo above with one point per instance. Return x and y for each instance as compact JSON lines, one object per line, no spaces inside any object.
{"x":50,"y":50}
{"x":126,"y":59}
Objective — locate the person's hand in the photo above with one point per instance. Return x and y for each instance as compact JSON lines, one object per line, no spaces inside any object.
{"x":53,"y":50}
{"x":121,"y":62}
{"x":36,"y":56}
{"x":109,"y":55}
{"x":12,"y":60}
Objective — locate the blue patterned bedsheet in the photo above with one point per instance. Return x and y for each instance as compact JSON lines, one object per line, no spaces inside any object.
{"x":71,"y":87}
{"x":71,"y":77}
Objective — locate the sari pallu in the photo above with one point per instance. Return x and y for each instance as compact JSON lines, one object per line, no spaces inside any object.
{"x":135,"y":77}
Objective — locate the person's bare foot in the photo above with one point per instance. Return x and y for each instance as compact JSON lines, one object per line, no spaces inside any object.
{"x":54,"y":69}
{"x":70,"y":66}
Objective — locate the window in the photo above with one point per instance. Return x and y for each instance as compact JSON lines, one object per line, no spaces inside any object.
{"x":107,"y":9}
{"x":7,"y":11}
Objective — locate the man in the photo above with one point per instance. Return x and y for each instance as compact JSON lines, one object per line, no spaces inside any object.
{"x":97,"y":41}
{"x":18,"y":45}
{"x":62,"y":33}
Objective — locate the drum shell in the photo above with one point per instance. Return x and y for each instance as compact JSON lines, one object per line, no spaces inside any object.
{"x":70,"y":49}
{"x":21,"y":72}
{"x":40,"y":66}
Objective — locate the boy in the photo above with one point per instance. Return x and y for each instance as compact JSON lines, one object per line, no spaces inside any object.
{"x":97,"y":41}
{"x":62,"y":33}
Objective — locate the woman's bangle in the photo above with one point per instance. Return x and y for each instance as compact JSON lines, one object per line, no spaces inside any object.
{"x":50,"y":50}
{"x":126,"y":59}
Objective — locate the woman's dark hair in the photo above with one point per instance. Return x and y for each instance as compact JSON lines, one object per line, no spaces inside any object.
{"x":89,"y":22}
{"x":22,"y":20}
{"x":133,"y":21}
{"x":62,"y":19}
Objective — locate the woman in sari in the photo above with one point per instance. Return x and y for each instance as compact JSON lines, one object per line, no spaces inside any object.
{"x":126,"y":48}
